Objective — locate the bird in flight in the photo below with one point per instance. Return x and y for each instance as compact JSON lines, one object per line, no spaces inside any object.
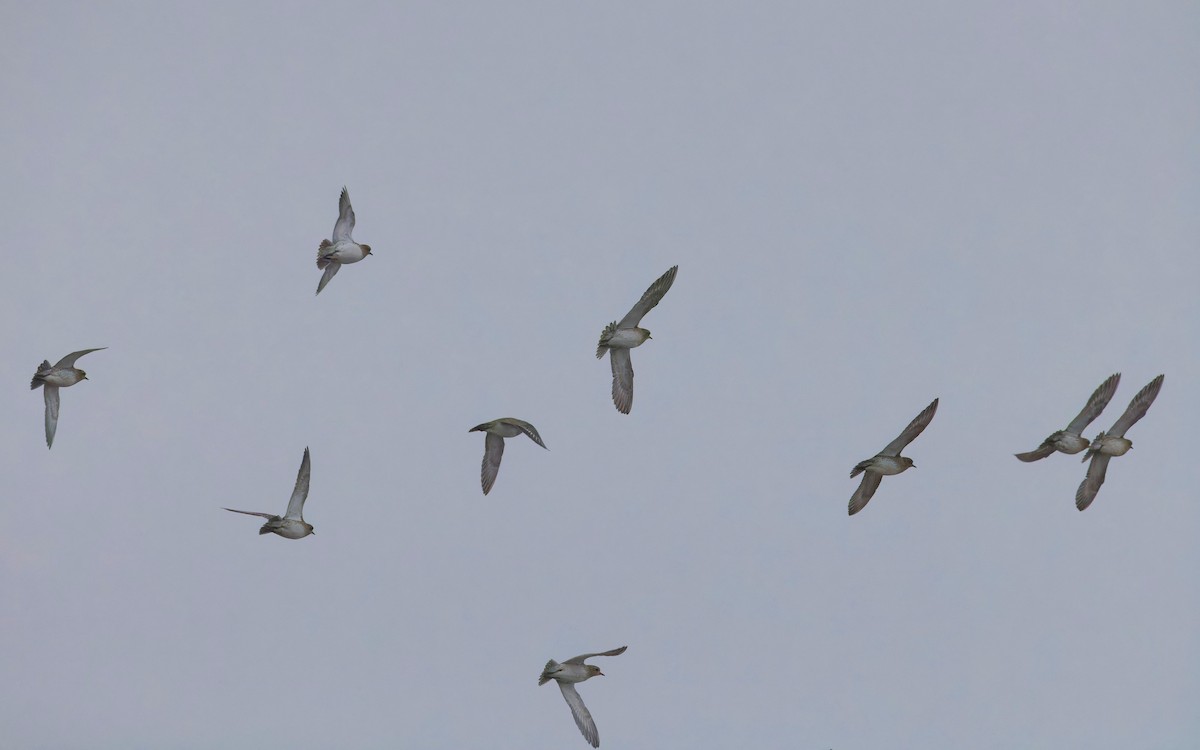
{"x":291,"y":525}
{"x":1113,"y":443}
{"x":1070,"y":440}
{"x":619,"y":337}
{"x":567,"y":674}
{"x":888,"y":461}
{"x":63,"y":374}
{"x":493,"y":444}
{"x":343,"y":248}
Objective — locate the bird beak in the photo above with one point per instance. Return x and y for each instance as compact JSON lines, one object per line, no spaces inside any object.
{"x":599,"y":673}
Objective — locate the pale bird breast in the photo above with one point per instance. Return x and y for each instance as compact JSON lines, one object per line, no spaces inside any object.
{"x":1068,"y":443}
{"x":888,"y":465}
{"x":1115,"y":446}
{"x":626,"y":338}
{"x":63,"y":378}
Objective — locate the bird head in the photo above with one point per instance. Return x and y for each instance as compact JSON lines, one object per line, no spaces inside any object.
{"x":366,"y":250}
{"x":645,"y":333}
{"x":309,"y":526}
{"x":82,"y":375}
{"x":908,"y":462}
{"x":594,"y":670}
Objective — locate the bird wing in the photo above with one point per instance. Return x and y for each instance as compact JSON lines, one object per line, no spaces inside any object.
{"x":582,"y":657}
{"x":345,"y":222}
{"x":622,"y":387}
{"x":300,"y":492}
{"x":1137,"y":407}
{"x":1043,"y":450}
{"x":69,"y":360}
{"x":1095,"y":404}
{"x":493,"y":451}
{"x":330,"y":271}
{"x":528,"y":429}
{"x":651,"y":298}
{"x":915,"y":427}
{"x":583,"y":718}
{"x":866,"y":488}
{"x":51,"y":396}
{"x":252,"y":513}
{"x":1091,"y":483}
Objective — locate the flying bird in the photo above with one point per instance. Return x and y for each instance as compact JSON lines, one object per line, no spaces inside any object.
{"x":291,"y":525}
{"x":343,"y":249}
{"x":1070,"y":440}
{"x":619,"y":337}
{"x":1113,"y":443}
{"x":63,"y":374}
{"x":888,"y":461}
{"x":568,"y":673}
{"x":493,"y":444}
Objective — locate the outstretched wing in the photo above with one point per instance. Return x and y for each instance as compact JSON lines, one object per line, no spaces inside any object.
{"x":300,"y":492}
{"x":583,"y":718}
{"x":252,"y":513}
{"x":1095,"y":404}
{"x":528,"y":429}
{"x":69,"y":360}
{"x":345,"y":222}
{"x":915,"y":427}
{"x":1091,"y":483}
{"x":1137,"y":407}
{"x":1043,"y":450}
{"x":582,"y":657}
{"x":330,"y":271}
{"x":622,"y":386}
{"x":51,"y":396}
{"x":493,"y":451}
{"x":651,"y":298}
{"x":866,"y":488}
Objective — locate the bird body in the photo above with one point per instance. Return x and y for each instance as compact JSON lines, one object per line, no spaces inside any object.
{"x":1070,"y":440}
{"x":287,"y":528}
{"x":56,"y":376}
{"x":1109,"y":445}
{"x":493,"y":445}
{"x":888,"y":461}
{"x":332,"y":255}
{"x":50,"y":378}
{"x":570,"y":673}
{"x":1067,"y":442}
{"x":887,"y":465}
{"x":290,"y":525}
{"x":342,"y":251}
{"x":619,"y":337}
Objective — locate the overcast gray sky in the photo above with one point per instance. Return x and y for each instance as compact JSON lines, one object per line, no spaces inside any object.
{"x":871,"y":204}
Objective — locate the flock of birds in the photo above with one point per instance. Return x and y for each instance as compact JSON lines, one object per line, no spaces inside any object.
{"x":616,"y":340}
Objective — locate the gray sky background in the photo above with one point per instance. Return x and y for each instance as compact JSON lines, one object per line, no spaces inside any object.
{"x":871,"y":204}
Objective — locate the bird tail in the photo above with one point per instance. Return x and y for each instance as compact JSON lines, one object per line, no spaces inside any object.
{"x":37,"y":376}
{"x":550,"y":667}
{"x":605,"y":335}
{"x":322,"y":261}
{"x":1093,"y":447}
{"x":859,"y":468}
